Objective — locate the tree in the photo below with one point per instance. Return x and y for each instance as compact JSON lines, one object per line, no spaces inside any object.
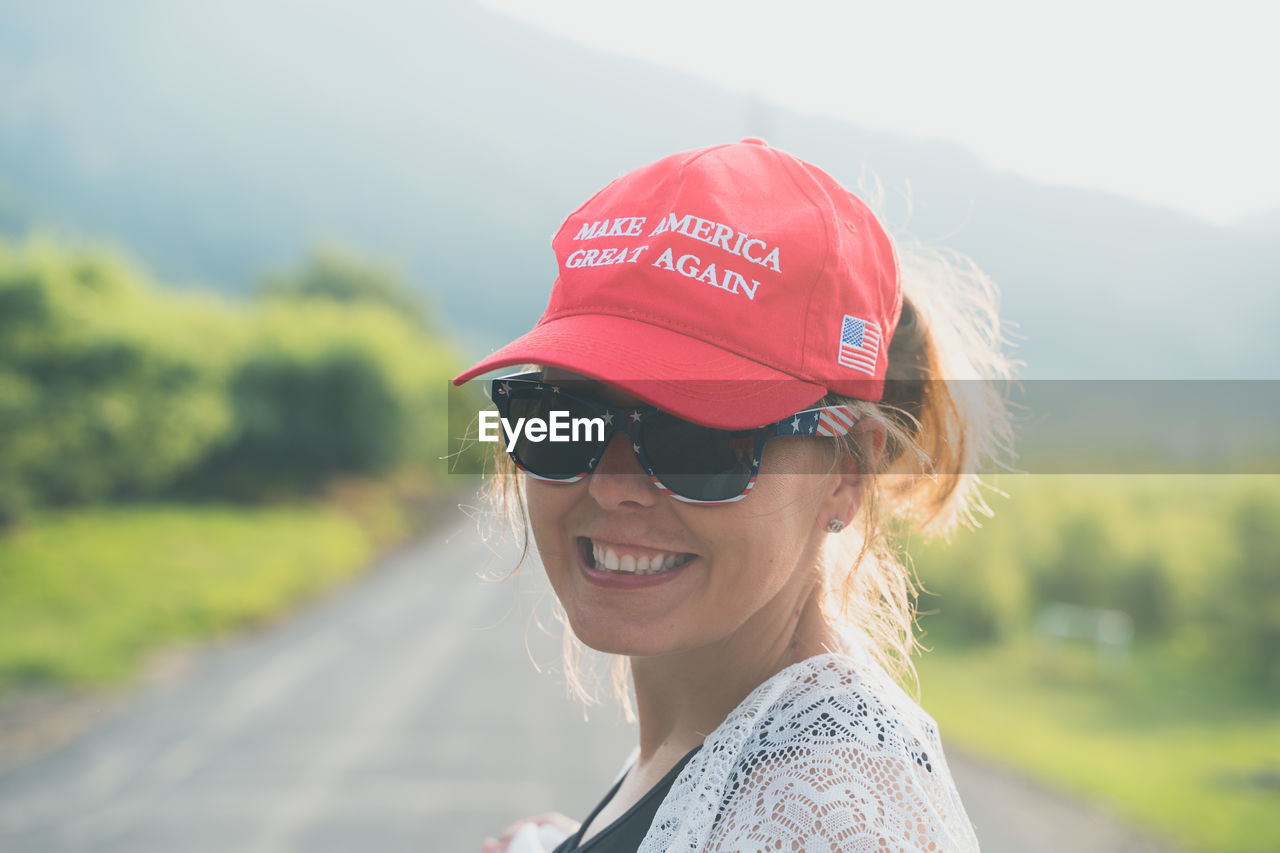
{"x":338,"y":275}
{"x":107,"y":387}
{"x":1243,"y":608}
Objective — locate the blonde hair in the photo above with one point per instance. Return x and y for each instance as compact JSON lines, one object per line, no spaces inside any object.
{"x":945,"y":418}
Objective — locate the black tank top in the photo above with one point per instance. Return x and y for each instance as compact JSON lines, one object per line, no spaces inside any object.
{"x":625,"y":834}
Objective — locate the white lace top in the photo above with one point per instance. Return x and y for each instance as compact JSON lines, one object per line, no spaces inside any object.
{"x":827,"y":755}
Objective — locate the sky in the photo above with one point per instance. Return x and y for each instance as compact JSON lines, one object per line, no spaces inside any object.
{"x":1168,"y":103}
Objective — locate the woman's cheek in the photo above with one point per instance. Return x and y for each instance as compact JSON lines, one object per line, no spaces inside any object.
{"x":549,"y":505}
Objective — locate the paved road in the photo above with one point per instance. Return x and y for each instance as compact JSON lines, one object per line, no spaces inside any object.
{"x":400,"y":714}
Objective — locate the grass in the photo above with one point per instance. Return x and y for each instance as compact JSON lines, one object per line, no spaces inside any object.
{"x":1177,"y":755}
{"x":86,"y":595}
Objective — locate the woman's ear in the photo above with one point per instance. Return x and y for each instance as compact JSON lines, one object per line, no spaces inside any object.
{"x":849,"y":490}
{"x":872,"y":436}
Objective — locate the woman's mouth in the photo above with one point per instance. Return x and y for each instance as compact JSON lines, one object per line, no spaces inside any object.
{"x":629,"y":559}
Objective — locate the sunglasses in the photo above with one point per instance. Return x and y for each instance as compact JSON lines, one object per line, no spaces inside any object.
{"x":692,"y":463}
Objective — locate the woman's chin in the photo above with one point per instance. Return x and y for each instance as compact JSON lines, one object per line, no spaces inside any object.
{"x":611,"y":644}
{"x":610,"y":637}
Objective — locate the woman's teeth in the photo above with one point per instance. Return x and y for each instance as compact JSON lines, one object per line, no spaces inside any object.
{"x":608,"y":559}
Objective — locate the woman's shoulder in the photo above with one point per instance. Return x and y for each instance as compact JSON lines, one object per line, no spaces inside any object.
{"x":844,"y":699}
{"x":829,"y":748}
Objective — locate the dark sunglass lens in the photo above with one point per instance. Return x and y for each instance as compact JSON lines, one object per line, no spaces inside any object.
{"x":556,"y":460}
{"x":698,"y":462}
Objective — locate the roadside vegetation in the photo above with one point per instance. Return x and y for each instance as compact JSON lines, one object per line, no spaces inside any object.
{"x":1171,"y":724}
{"x":174,"y":465}
{"x":87,"y":594}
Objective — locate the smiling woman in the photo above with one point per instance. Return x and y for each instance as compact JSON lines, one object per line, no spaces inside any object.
{"x":726,"y":535}
{"x":744,"y":568}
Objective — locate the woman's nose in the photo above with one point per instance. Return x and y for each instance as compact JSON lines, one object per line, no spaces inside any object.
{"x":618,"y":479}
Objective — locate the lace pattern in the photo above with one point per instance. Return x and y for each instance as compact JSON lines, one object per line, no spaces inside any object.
{"x":827,"y":755}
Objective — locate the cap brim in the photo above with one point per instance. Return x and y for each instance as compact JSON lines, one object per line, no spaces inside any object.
{"x":687,"y":377}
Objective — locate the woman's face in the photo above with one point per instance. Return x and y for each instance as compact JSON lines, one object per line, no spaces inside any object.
{"x":732,"y":573}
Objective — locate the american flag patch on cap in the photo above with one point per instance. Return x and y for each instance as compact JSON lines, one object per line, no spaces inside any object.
{"x":859,"y":344}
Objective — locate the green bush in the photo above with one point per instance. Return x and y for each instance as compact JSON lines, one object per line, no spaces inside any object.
{"x":334,"y":274}
{"x":333,"y":414}
{"x":1082,"y":566}
{"x":107,"y":386}
{"x":1193,"y":561}
{"x":976,"y":590}
{"x":1145,"y":590}
{"x":323,"y":389}
{"x":1243,"y":606}
{"x":111,"y":387}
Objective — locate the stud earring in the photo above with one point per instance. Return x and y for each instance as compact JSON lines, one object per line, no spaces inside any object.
{"x":835,"y":525}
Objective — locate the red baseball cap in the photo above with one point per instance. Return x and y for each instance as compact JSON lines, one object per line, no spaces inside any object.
{"x":731,"y":286}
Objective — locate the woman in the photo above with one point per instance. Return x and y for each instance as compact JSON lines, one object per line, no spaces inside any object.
{"x":734,"y":321}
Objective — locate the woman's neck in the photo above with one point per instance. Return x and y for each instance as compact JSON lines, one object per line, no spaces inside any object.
{"x":682,"y":697}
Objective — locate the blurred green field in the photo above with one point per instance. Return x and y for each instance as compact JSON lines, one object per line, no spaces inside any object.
{"x":1184,"y":761}
{"x":85,"y":595}
{"x":1193,"y":561}
{"x":1178,"y":731}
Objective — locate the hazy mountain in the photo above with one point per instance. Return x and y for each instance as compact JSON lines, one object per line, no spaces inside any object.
{"x":219,"y":140}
